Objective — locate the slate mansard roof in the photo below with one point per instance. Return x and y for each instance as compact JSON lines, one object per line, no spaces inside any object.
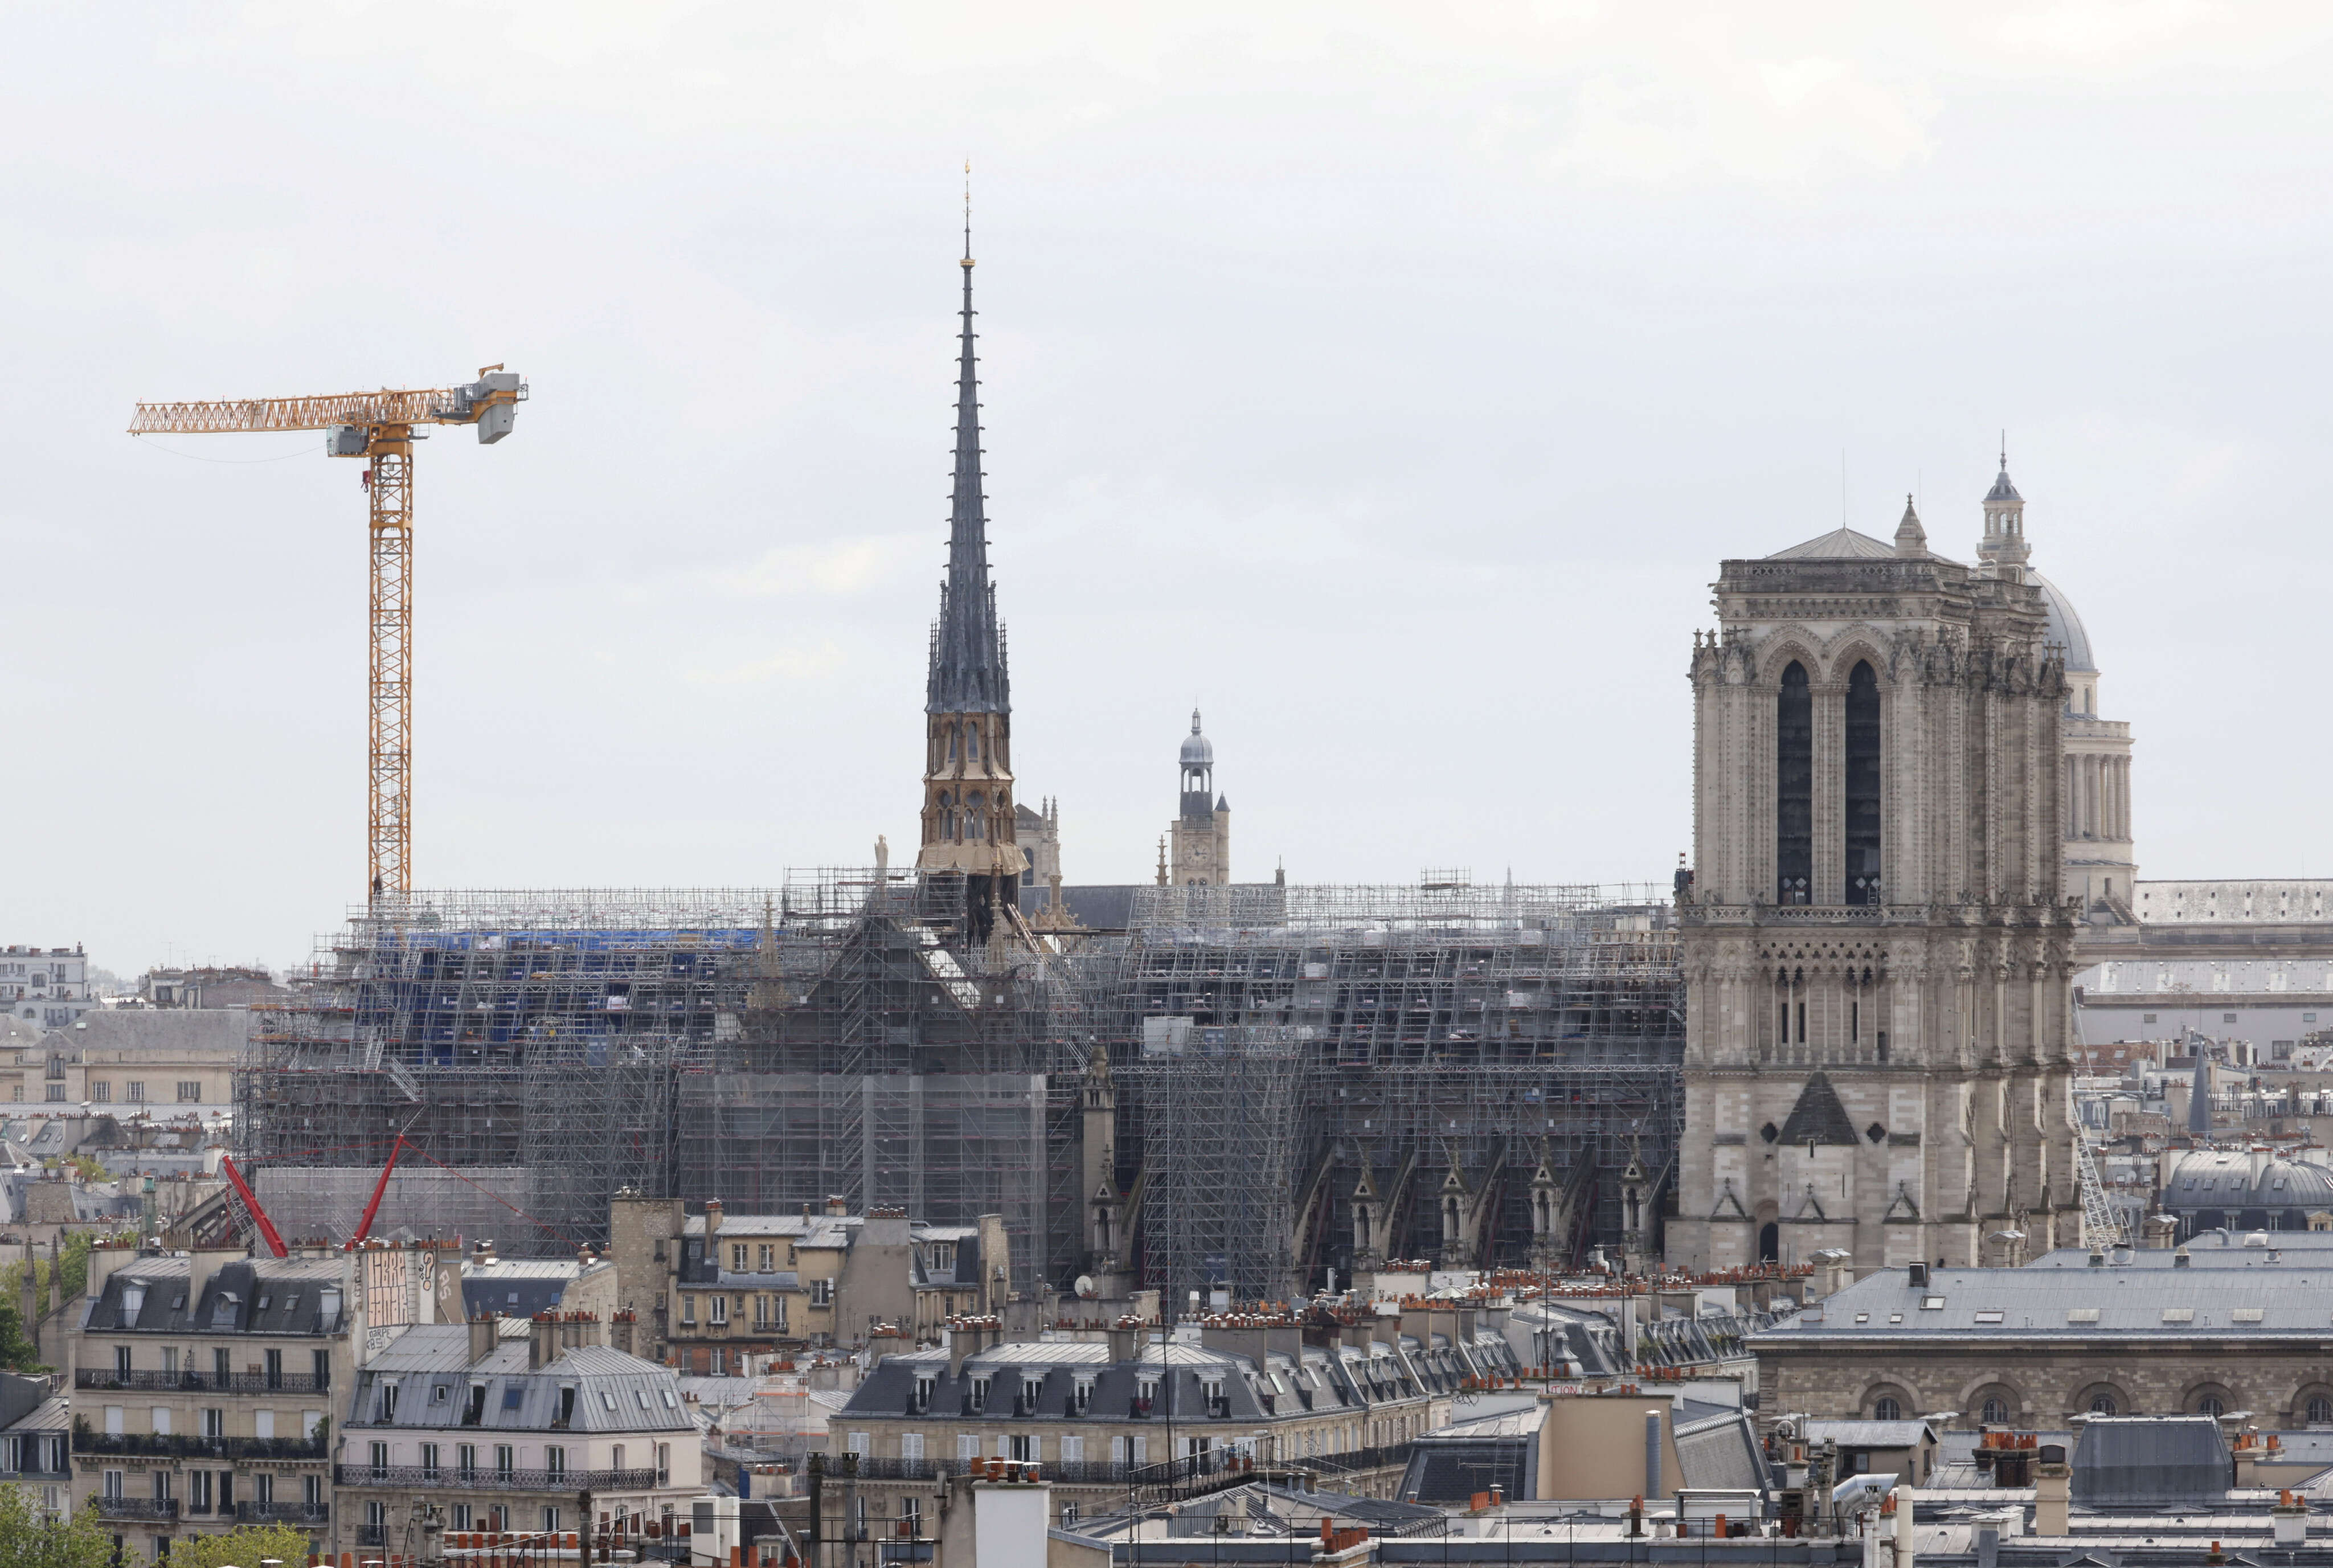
{"x":1318,"y":1380}
{"x":275,"y":1297}
{"x":2290,"y":1300}
{"x":430,"y":1365}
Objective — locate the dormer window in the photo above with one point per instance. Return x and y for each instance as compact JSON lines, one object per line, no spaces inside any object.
{"x":980,"y":1394}
{"x":133,"y":1301}
{"x":388,"y":1401}
{"x":1031,"y":1388}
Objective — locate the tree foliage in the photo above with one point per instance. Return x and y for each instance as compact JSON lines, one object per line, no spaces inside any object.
{"x":244,"y":1546}
{"x":28,"y":1541}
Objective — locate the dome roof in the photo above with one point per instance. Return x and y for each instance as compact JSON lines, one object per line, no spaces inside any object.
{"x":2002,"y":490}
{"x":2242,"y":1180}
{"x":1197,"y":751}
{"x":2066,"y":628}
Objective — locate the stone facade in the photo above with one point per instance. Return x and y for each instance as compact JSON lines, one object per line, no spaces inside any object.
{"x":1876,"y":951}
{"x":1201,"y":833}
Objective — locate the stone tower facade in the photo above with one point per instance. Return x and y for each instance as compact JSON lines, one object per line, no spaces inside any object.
{"x":968,"y":820}
{"x":1877,"y":957}
{"x":1201,"y":833}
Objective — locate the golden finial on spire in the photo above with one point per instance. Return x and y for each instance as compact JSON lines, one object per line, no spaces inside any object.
{"x":967,"y":212}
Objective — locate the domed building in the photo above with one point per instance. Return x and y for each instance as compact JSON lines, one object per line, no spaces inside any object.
{"x":2094,"y":774}
{"x":2239,"y":1189}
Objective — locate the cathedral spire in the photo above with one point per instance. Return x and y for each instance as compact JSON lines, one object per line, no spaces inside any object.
{"x":968,"y":672}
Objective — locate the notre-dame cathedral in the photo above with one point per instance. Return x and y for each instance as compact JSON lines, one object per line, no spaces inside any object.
{"x":1878,"y":955}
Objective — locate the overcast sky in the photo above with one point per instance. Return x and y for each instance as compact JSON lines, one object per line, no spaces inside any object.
{"x":1386,"y":380}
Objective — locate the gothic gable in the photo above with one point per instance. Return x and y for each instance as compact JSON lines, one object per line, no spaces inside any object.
{"x":1819,"y":1117}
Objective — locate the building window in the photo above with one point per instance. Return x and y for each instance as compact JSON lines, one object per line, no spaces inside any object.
{"x":2146,"y":1018}
{"x":738,"y":1257}
{"x":198,"y":1491}
{"x":1863,"y":785}
{"x":190,"y":1090}
{"x":550,"y":1518}
{"x":56,"y":1095}
{"x":2104,"y":1405}
{"x":505,"y":1459}
{"x":911,"y":1514}
{"x":766,"y":1261}
{"x":1794,"y":785}
{"x":465,"y":1461}
{"x":1886,"y":1408}
{"x":135,"y":1093}
{"x":911,"y":1445}
{"x":2227,"y":1017}
{"x":821,"y":1293}
{"x":429,"y":1462}
{"x":214,"y":1422}
{"x":720,"y":1304}
{"x":1995,"y":1412}
{"x":554,"y":1461}
{"x":460,"y":1516}
{"x":688,"y":1312}
{"x":100,"y":1093}
{"x":2211,"y":1405}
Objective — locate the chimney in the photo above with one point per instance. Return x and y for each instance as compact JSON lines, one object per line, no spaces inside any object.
{"x":543,"y":1344}
{"x":484,"y":1336}
{"x":484,"y":1253}
{"x":1125,"y":1340}
{"x":2052,"y":1489}
{"x":619,"y":1331}
{"x":712,"y":1220}
{"x":837,"y":1206}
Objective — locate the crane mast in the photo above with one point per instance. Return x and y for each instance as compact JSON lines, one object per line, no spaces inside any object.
{"x":378,"y":426}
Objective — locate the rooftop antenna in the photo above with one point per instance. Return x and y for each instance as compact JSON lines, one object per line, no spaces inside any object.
{"x":967,"y":212}
{"x":1842,"y":486}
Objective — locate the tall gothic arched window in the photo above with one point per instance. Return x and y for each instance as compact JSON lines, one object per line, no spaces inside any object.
{"x":1862,"y":784}
{"x":1794,"y":787}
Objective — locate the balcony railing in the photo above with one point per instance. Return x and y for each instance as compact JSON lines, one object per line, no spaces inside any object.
{"x":163,"y":1508}
{"x":185,"y":1445}
{"x":99,"y":1377}
{"x":373,"y":1535}
{"x":453,"y":1478}
{"x":282,"y":1513}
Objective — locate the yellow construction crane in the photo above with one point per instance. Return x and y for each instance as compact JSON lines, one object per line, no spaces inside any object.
{"x":378,"y":426}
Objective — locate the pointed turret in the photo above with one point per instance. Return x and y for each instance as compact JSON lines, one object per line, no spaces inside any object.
{"x":2003,"y":548}
{"x":1911,"y":539}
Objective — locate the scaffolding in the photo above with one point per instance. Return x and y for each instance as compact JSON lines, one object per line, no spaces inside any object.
{"x":842,"y":1035}
{"x":834,"y":1036}
{"x":1417,"y":1035}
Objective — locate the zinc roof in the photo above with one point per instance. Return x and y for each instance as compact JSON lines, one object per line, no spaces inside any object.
{"x":2293,"y":1299}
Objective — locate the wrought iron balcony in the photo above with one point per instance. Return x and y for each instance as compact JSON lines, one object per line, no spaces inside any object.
{"x":102,"y":1378}
{"x":453,"y":1478}
{"x":162,"y":1509}
{"x":282,"y":1513}
{"x":185,"y":1445}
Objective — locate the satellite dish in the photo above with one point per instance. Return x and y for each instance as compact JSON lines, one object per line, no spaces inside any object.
{"x":1085,"y":1287}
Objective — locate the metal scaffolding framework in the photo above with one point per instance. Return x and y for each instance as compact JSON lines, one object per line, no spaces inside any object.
{"x":1420,"y":1034}
{"x":834,"y":1036}
{"x":840,"y":1035}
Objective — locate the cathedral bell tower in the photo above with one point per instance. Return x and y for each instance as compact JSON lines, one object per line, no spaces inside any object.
{"x":1203,"y":831}
{"x":1877,"y":959}
{"x":969,"y":814}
